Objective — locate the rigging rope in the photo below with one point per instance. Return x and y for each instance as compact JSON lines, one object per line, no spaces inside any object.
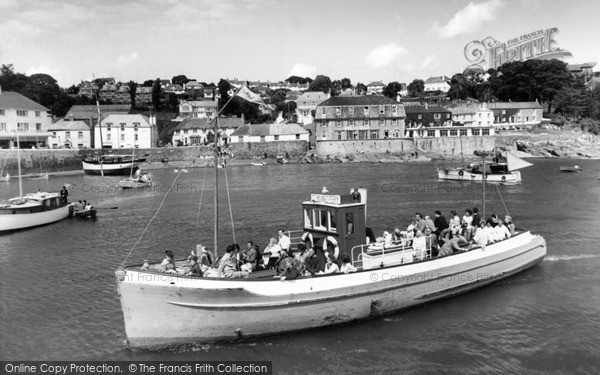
{"x":153,"y":217}
{"x":201,"y":194}
{"x":229,"y":202}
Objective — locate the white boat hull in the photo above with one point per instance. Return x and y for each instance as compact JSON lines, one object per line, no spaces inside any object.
{"x":513,"y":177}
{"x":109,"y":169}
{"x":161,"y":309}
{"x":10,"y":222}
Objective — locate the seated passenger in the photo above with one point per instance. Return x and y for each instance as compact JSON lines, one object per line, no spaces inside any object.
{"x":312,"y":263}
{"x":419,"y":246}
{"x":168,"y":264}
{"x":250,"y":259}
{"x":490,"y":233}
{"x":227,"y":266}
{"x":347,"y":266}
{"x":509,"y":224}
{"x":331,"y":266}
{"x":398,"y":236}
{"x":451,"y":246}
{"x":480,"y":237}
{"x":290,"y":272}
{"x":501,"y":231}
{"x":195,"y":269}
{"x":494,"y":220}
{"x":271,"y":254}
{"x":454,"y":224}
{"x":387,"y":240}
{"x":431,"y":242}
{"x":429,"y":223}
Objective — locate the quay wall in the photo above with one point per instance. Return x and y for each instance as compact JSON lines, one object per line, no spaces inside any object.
{"x":272,"y":149}
{"x":447,"y":146}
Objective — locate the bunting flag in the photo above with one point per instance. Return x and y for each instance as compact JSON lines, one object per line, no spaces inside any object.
{"x":245,"y":93}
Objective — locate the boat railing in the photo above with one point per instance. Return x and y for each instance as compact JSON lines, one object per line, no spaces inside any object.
{"x":376,"y":255}
{"x":295,"y":237}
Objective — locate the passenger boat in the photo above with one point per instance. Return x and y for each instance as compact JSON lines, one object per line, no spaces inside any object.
{"x":110,"y":164}
{"x":505,"y":173}
{"x":162,"y":309}
{"x":575,"y":168}
{"x":32,"y":210}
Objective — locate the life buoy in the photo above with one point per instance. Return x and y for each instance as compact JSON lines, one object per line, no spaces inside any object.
{"x":333,"y":243}
{"x":503,"y":178}
{"x":461,"y":173}
{"x":309,"y":236}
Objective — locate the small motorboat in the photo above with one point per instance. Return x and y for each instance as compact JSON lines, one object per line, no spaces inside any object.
{"x":5,"y":178}
{"x":575,"y":168}
{"x":258,"y":163}
{"x":139,"y":180}
{"x":89,"y":211}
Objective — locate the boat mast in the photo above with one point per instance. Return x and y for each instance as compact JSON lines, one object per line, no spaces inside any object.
{"x":100,"y":131}
{"x":216,"y":162}
{"x":19,"y":164}
{"x":483,"y":199}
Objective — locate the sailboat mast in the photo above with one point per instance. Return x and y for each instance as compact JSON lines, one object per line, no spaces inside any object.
{"x":216,"y":156}
{"x":483,"y":177}
{"x":100,"y":131}
{"x":19,"y":164}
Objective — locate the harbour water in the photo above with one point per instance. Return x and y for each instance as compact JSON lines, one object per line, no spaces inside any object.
{"x":58,"y":297}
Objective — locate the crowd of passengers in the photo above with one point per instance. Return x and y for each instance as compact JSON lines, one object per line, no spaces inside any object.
{"x":440,"y":237}
{"x":278,"y":255}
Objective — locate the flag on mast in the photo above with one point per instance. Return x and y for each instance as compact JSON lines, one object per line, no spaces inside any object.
{"x":245,"y":93}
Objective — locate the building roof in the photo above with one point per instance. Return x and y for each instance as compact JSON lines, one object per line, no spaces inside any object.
{"x":579,"y":67}
{"x":358,"y":100}
{"x":592,"y":83}
{"x":269,"y":129}
{"x":514,"y":105}
{"x":313,"y":95}
{"x":68,"y":126}
{"x":375,"y":83}
{"x":121,"y":117}
{"x":14,"y":100}
{"x":205,"y":124}
{"x":425,"y":109}
{"x":200,"y":103}
{"x":85,"y":112}
{"x":440,"y":79}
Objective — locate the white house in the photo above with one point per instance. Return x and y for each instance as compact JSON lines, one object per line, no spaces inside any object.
{"x":31,"y":119}
{"x":475,"y":115}
{"x":195,"y":131}
{"x":375,"y":88}
{"x":126,"y":131}
{"x":307,"y":103}
{"x":441,"y":83}
{"x":70,"y":134}
{"x":197,"y":109}
{"x":269,"y":133}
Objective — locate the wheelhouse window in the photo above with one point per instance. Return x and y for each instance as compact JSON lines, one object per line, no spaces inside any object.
{"x":323,"y":219}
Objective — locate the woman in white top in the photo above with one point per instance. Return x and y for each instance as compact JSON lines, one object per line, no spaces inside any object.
{"x":454,"y":224}
{"x":419,"y":246}
{"x":331,"y":267}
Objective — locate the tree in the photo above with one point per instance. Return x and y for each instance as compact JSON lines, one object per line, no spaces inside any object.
{"x":132,"y":92}
{"x":392,"y":89}
{"x":460,"y":87}
{"x":361,"y":88}
{"x":346,"y":83}
{"x":11,"y":81}
{"x":156,"y":94}
{"x":180,"y":80}
{"x":148,"y":83}
{"x":416,"y":88}
{"x":321,"y":83}
{"x":296,"y":79}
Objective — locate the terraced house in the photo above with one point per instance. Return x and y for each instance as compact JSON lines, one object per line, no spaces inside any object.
{"x":359,"y":117}
{"x":31,"y":119}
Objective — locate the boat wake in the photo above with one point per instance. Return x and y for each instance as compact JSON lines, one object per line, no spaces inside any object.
{"x":556,"y":258}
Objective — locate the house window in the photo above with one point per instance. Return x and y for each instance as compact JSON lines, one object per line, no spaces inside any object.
{"x":350,"y":122}
{"x":68,"y":135}
{"x":21,"y":112}
{"x":419,"y":117}
{"x":447,"y":115}
{"x":135,"y":137}
{"x":38,"y":114}
{"x":358,"y":122}
{"x":381,"y":110}
{"x":108,"y":137}
{"x":431,"y":133}
{"x":240,"y":138}
{"x":381,"y":122}
{"x":338,"y":111}
{"x":193,"y":130}
{"x":136,"y":125}
{"x":185,"y":131}
{"x":453,"y":133}
{"x":38,"y":127}
{"x":2,"y":126}
{"x":122,"y":137}
{"x":80,"y":145}
{"x":108,"y":126}
{"x":394,"y":110}
{"x":338,"y":124}
{"x":363,"y":134}
{"x":485,"y":131}
{"x":338,"y":135}
{"x":276,"y":137}
{"x":351,"y":110}
{"x":262,"y":138}
{"x":122,"y":127}
{"x":394,"y":122}
{"x":463,"y":132}
{"x":374,"y":134}
{"x":443,"y":133}
{"x":475,"y":131}
{"x":297,"y":136}
{"x":366,"y":111}
{"x":79,"y":135}
{"x":2,"y":113}
{"x":479,"y":114}
{"x":437,"y":116}
{"x":23,"y":126}
{"x":323,"y":124}
{"x":349,"y":134}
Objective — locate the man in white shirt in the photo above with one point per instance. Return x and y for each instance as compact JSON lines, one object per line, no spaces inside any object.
{"x":490,"y":233}
{"x":502,"y":231}
{"x":480,"y":238}
{"x":419,"y":245}
{"x":284,"y":242}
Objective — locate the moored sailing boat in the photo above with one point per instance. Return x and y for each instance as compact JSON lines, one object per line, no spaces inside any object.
{"x":31,"y":210}
{"x":171,"y":308}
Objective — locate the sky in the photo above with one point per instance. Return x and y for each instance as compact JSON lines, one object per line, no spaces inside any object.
{"x":376,"y":40}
